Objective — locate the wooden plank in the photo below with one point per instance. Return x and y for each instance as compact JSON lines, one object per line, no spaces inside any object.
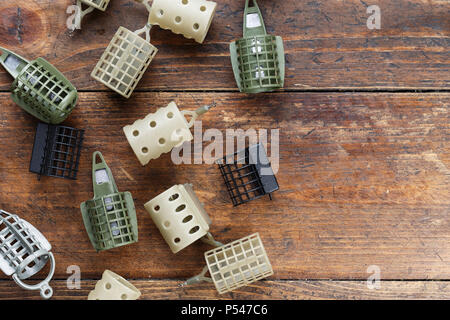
{"x":328,"y":45}
{"x":262,"y":290}
{"x":363,"y":181}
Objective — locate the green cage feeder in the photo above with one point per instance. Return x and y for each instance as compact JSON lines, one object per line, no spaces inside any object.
{"x":258,"y":58}
{"x":39,"y":88}
{"x":110,"y":217}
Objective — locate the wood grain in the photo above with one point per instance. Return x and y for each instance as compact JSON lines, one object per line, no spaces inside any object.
{"x":363,"y":176}
{"x":363,"y":181}
{"x":262,"y":290}
{"x":328,"y":45}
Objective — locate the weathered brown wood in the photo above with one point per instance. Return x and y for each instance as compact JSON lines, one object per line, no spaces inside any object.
{"x":274,"y":290}
{"x":363,"y":181}
{"x":328,"y":44}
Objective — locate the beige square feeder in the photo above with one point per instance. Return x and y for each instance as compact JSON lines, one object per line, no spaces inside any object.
{"x":161,"y":131}
{"x":180,"y":217}
{"x":125,"y":60}
{"x":191,"y":18}
{"x":236,"y":264}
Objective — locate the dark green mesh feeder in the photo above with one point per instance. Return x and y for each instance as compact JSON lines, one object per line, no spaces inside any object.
{"x":110,"y":217}
{"x":257,"y":58}
{"x":39,"y":88}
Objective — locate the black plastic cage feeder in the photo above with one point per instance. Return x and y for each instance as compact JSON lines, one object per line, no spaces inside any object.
{"x":248,"y":174}
{"x":56,"y":151}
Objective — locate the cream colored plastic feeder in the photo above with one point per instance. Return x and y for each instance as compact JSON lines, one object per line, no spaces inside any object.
{"x":92,"y":4}
{"x":113,"y":287}
{"x":125,"y":60}
{"x":236,"y":264}
{"x":191,"y":18}
{"x":180,"y":217}
{"x":161,"y":131}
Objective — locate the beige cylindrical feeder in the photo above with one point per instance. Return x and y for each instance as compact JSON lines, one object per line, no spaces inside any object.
{"x":235,"y":265}
{"x":191,"y":18}
{"x":113,"y":287}
{"x":180,"y":217}
{"x":161,"y":131}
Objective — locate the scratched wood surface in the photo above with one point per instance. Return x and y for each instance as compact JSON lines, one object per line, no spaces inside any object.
{"x":363,"y":175}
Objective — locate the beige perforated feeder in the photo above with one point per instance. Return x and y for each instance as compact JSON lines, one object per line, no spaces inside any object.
{"x":191,"y":18}
{"x":113,"y":287}
{"x":180,"y":217}
{"x":125,"y":60}
{"x":235,"y":265}
{"x":161,"y":131}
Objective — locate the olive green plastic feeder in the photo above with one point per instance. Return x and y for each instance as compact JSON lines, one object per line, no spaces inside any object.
{"x":39,"y":88}
{"x":110,"y":217}
{"x":257,"y":58}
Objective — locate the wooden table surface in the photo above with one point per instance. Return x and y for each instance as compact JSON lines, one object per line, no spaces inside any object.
{"x":364,"y":166}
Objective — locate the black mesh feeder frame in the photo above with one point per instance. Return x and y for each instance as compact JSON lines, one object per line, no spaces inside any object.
{"x":110,"y":217}
{"x":56,"y":151}
{"x":24,"y":252}
{"x":39,"y":88}
{"x":248,"y":174}
{"x":258,"y":58}
{"x":234,"y":265}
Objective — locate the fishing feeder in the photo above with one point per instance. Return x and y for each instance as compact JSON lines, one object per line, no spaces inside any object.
{"x":113,"y":287}
{"x":248,"y":174}
{"x":235,"y":265}
{"x":24,"y":251}
{"x":258,"y":58}
{"x":56,"y":151}
{"x":110,"y":217}
{"x":180,"y":217}
{"x":191,"y":18}
{"x":161,"y":131}
{"x":39,"y":88}
{"x":125,"y":60}
{"x":92,"y":4}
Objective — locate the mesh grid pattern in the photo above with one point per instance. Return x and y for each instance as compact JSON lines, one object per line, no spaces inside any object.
{"x":110,"y":222}
{"x":15,"y":250}
{"x":258,"y":62}
{"x":241,"y":178}
{"x":42,"y":92}
{"x":99,"y":4}
{"x":238,"y":264}
{"x":63,"y":158}
{"x":124,"y":62}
